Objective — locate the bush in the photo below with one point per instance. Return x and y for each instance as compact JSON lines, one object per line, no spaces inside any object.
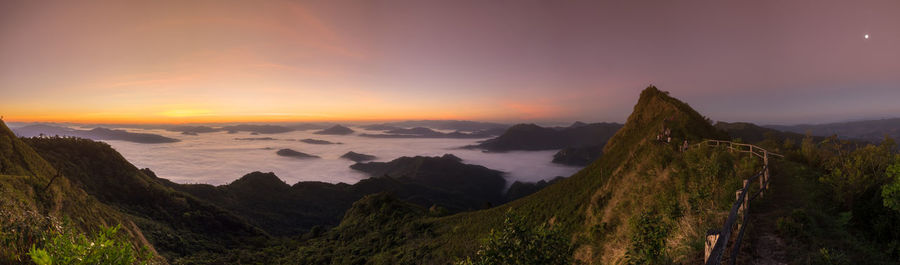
{"x":518,"y":243}
{"x":891,"y":192}
{"x":648,"y":240}
{"x":106,"y":247}
{"x":797,"y":225}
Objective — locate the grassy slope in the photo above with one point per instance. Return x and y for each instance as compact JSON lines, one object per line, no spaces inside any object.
{"x":611,"y":190}
{"x":31,"y":206}
{"x":176,"y":223}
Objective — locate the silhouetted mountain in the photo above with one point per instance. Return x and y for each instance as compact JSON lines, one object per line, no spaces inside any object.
{"x":94,"y":134}
{"x":534,"y":137}
{"x":447,"y":173}
{"x":317,"y":141}
{"x":422,"y":132}
{"x":578,"y":124}
{"x":752,"y":133}
{"x":256,"y":139}
{"x":269,"y":203}
{"x":259,"y":129}
{"x":309,"y":126}
{"x":380,"y":127}
{"x":868,"y":130}
{"x":357,"y":157}
{"x":578,"y":156}
{"x":193,"y":130}
{"x":336,"y":130}
{"x":294,"y":154}
{"x":521,"y":189}
{"x":280,"y":209}
{"x":464,"y":126}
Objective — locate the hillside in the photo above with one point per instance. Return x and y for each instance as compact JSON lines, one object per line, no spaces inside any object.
{"x":39,"y":202}
{"x":534,"y":137}
{"x":98,"y":133}
{"x":282,"y":209}
{"x":176,"y":223}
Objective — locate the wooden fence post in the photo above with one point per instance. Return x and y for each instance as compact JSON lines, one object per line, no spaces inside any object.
{"x":766,"y":164}
{"x":712,"y":236}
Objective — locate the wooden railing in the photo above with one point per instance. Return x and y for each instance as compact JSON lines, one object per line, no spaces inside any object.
{"x":717,"y":240}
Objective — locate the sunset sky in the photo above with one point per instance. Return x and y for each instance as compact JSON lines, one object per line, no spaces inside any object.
{"x":511,"y":61}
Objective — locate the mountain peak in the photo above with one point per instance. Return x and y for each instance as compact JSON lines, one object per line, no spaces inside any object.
{"x":260,"y":181}
{"x":656,"y":112}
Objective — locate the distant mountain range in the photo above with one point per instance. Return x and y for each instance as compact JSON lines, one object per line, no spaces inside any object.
{"x":454,"y":125}
{"x":94,"y":134}
{"x":868,"y":130}
{"x":422,"y":132}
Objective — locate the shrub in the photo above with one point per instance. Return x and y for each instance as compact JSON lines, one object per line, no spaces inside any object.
{"x":648,"y":240}
{"x":518,"y":243}
{"x":106,"y":247}
{"x":891,"y":192}
{"x":796,"y":225}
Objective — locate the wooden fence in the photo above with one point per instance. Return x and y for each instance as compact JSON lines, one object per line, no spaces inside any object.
{"x":717,"y":240}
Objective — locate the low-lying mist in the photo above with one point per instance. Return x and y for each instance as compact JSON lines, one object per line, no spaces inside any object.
{"x":219,"y":158}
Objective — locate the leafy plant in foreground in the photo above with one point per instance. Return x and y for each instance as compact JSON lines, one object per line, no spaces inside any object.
{"x":518,"y":243}
{"x":106,"y":247}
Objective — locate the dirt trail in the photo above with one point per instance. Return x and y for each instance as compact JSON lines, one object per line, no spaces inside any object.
{"x":763,"y":244}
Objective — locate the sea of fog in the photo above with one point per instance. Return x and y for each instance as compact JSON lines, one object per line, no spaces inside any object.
{"x":217,"y":158}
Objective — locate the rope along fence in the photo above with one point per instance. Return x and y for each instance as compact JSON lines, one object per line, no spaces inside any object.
{"x":717,"y":240}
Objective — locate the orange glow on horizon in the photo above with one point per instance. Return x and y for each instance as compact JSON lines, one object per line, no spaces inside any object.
{"x":182,"y":117}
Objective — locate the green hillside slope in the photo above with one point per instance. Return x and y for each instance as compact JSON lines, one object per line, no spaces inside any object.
{"x":176,"y":223}
{"x":38,"y":201}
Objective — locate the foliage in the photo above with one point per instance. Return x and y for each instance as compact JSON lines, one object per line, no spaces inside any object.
{"x":521,"y":244}
{"x":854,"y":173}
{"x":891,"y":192}
{"x":71,"y":247}
{"x":831,"y":257}
{"x":796,"y":225}
{"x":648,"y":239}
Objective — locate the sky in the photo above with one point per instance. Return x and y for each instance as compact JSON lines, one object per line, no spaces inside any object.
{"x":770,"y":62}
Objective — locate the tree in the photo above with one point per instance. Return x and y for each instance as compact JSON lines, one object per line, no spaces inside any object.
{"x":516,"y":243}
{"x":70,"y":247}
{"x":890,"y":192}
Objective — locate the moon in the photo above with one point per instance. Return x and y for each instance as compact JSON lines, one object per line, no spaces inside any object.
{"x":866,"y":36}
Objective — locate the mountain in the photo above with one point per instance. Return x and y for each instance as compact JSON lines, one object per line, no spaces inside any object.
{"x":454,"y":125}
{"x":336,"y":130}
{"x":868,"y":130}
{"x":752,"y":133}
{"x":193,"y":130}
{"x":291,"y":153}
{"x":357,"y":157}
{"x":258,"y":129}
{"x":282,"y":209}
{"x":422,"y":132}
{"x":37,"y":198}
{"x":578,"y":156}
{"x":177,"y":224}
{"x":534,"y":137}
{"x":317,"y":141}
{"x":95,"y":134}
{"x":446,"y":172}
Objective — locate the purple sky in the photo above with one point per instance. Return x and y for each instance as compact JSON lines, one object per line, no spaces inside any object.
{"x":759,"y":61}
